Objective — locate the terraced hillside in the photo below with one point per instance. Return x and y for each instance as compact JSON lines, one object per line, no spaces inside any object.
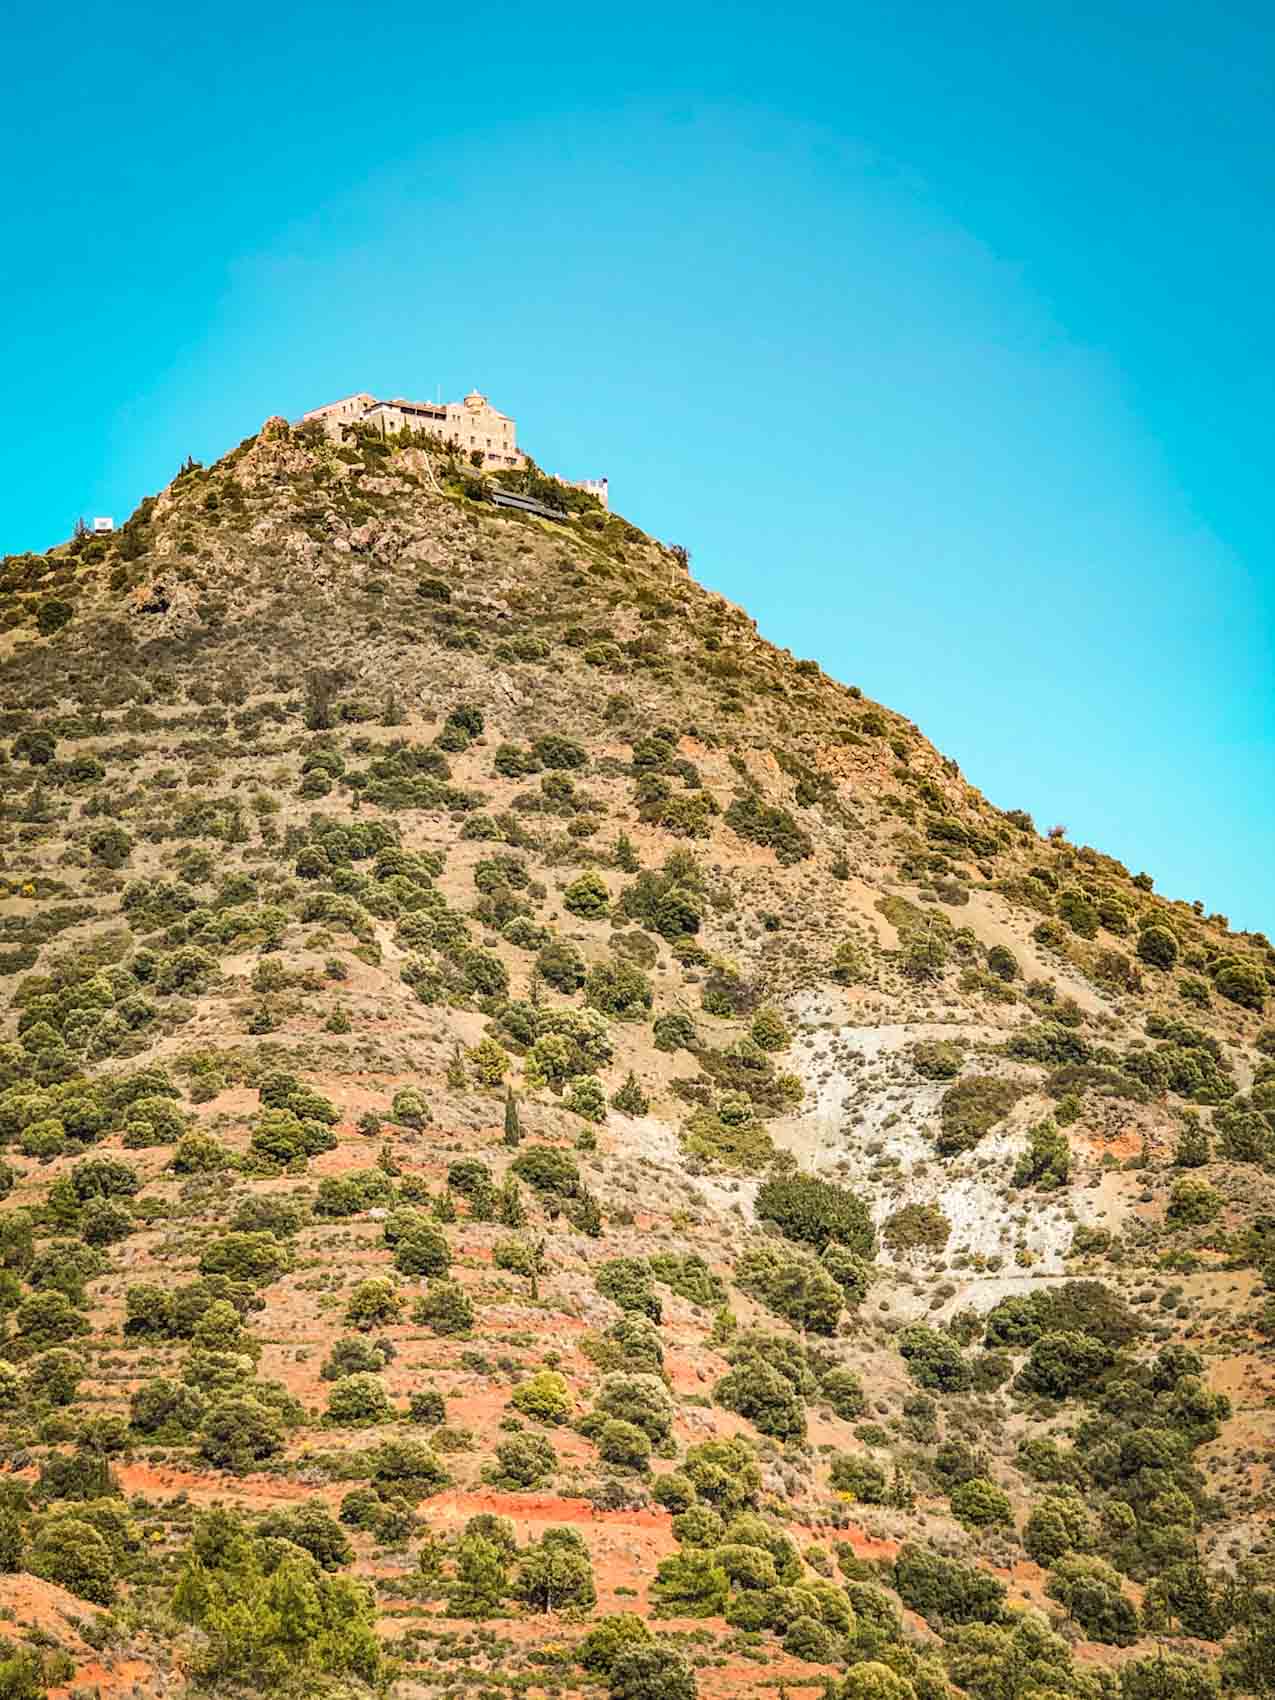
{"x":551,"y":1148}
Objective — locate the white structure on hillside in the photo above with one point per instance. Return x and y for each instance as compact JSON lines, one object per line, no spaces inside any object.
{"x":591,"y":487}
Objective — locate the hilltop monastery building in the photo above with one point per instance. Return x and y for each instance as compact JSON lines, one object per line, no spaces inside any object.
{"x":473,"y":423}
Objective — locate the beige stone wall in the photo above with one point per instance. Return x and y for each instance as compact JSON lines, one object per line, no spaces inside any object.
{"x":474,"y":422}
{"x":348,"y":411}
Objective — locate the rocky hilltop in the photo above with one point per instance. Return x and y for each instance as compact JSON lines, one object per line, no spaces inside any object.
{"x":552,"y":1148}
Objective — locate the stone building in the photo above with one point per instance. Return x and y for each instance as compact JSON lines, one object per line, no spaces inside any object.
{"x":474,"y":424}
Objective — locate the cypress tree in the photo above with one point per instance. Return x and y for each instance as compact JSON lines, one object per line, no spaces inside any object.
{"x":513,"y":1126}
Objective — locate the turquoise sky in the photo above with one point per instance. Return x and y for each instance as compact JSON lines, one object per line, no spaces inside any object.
{"x":942,"y":336}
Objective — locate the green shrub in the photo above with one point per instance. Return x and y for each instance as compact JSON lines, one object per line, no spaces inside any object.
{"x":314,"y":1530}
{"x":283,"y":1137}
{"x":873,"y":1680}
{"x":110,"y":845}
{"x":773,"y":828}
{"x":916,"y":1227}
{"x":626,"y":1281}
{"x":1167,"y":1676}
{"x":550,"y":1172}
{"x":1241,"y":982}
{"x":426,"y":1405}
{"x":556,"y":1574}
{"x":239,"y":1432}
{"x":629,"y":1098}
{"x":858,"y":1478}
{"x":1064,"y":1363}
{"x":843,"y":1390}
{"x":674,"y":1032}
{"x":422,"y":1251}
{"x":71,"y":1553}
{"x":619,"y":989}
{"x":561,"y":965}
{"x":254,"y":1257}
{"x":587,"y":896}
{"x":1057,"y":1525}
{"x":1192,"y":1203}
{"x":357,"y":1400}
{"x":817,"y":1213}
{"x":482,"y":1577}
{"x":971,"y":1108}
{"x":1089,"y":1590}
{"x":938,"y":1059}
{"x":1046,"y":1162}
{"x":770,"y":1030}
{"x":340,"y":1196}
{"x":409,"y":1467}
{"x":651,"y":1673}
{"x":198,"y":1154}
{"x":48,"y":1319}
{"x":446,"y":1308}
{"x":943,"y":1588}
{"x":555,"y":751}
{"x":1079,"y":912}
{"x":934,"y":1359}
{"x":352,"y":1355}
{"x":724,"y":1472}
{"x":104,"y":1221}
{"x":545,"y":1397}
{"x":51,"y":614}
{"x":1002,"y":962}
{"x":623,"y":1445}
{"x":689,"y":1584}
{"x":761,"y":1393}
{"x":1158,"y":947}
{"x":632,"y":1342}
{"x":794,"y":1287}
{"x":687,"y":1275}
{"x":608,"y":1639}
{"x":586,"y":1097}
{"x":373,"y":1303}
{"x":523,"y":1461}
{"x":104,"y":1177}
{"x":409,"y":1108}
{"x":640,"y":1400}
{"x":270,"y":1618}
{"x":979,"y":1503}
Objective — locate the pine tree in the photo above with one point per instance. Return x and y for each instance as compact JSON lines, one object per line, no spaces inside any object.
{"x":444,"y":1207}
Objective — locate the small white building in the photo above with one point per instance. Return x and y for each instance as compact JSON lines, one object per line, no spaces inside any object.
{"x":102,"y":525}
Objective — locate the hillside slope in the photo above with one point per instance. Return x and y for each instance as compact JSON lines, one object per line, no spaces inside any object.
{"x":524,"y":1103}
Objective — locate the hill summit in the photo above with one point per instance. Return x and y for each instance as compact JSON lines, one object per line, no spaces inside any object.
{"x":552,"y":1148}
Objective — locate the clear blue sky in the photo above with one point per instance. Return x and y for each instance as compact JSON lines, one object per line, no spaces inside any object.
{"x":942,"y":335}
